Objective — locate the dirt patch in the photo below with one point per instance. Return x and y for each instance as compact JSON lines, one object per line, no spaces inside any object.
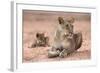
{"x":41,"y":54}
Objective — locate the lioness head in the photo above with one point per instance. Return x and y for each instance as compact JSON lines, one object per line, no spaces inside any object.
{"x":66,"y":25}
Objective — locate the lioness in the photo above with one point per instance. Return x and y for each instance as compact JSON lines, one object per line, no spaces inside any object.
{"x":65,"y":40}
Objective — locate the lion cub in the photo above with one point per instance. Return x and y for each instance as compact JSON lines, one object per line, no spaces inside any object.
{"x":41,"y":40}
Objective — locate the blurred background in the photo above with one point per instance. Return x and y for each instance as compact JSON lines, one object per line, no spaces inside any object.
{"x":46,"y":22}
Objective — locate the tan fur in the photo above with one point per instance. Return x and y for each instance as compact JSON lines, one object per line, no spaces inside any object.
{"x":65,"y":40}
{"x":41,"y":40}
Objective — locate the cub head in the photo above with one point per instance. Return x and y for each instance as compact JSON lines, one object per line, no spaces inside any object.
{"x":40,"y":36}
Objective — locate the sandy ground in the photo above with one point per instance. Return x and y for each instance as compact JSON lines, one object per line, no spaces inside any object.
{"x":40,"y":21}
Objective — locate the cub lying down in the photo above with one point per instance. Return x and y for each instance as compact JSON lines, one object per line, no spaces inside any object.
{"x":41,"y":40}
{"x":65,"y":40}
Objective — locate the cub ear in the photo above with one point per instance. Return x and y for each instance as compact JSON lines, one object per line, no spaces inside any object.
{"x":37,"y":35}
{"x":71,"y":20}
{"x":61,"y":21}
{"x":42,"y":34}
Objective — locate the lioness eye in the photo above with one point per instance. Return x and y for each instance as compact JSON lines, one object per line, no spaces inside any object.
{"x":67,"y":25}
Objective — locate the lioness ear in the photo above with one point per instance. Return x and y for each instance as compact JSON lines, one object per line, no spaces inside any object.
{"x":61,"y":21}
{"x":71,"y":20}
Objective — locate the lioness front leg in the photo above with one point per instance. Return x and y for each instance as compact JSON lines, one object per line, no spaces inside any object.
{"x":63,"y":53}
